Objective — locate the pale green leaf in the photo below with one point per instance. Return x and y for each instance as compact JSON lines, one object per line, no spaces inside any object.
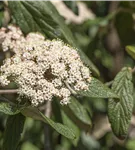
{"x":131,"y":51}
{"x":14,"y":128}
{"x":89,"y":142}
{"x":120,"y":112}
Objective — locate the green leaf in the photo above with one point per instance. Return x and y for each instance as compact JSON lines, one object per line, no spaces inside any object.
{"x":89,"y":142}
{"x":120,"y":112}
{"x":32,"y":112}
{"x":62,"y":129}
{"x":32,"y":19}
{"x":36,"y":114}
{"x":78,"y":114}
{"x":28,"y":145}
{"x":56,"y":110}
{"x":43,"y":17}
{"x":68,"y":122}
{"x":72,"y":4}
{"x":79,"y":111}
{"x":14,"y":128}
{"x":125,"y":29}
{"x":8,"y":109}
{"x":98,"y":90}
{"x":131,"y":51}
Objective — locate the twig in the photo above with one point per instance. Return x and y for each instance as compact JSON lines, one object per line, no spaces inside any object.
{"x":48,"y":109}
{"x":109,"y":83}
{"x":8,"y":91}
{"x":71,"y":90}
{"x":133,"y":70}
{"x":112,"y":41}
{"x":103,"y":126}
{"x":47,"y":127}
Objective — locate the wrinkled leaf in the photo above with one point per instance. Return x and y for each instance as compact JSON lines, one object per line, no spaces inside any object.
{"x":79,"y":111}
{"x":14,"y":128}
{"x":23,"y":18}
{"x":8,"y":109}
{"x":131,"y":51}
{"x":120,"y":112}
{"x":60,"y":128}
{"x":98,"y":90}
{"x":43,"y":17}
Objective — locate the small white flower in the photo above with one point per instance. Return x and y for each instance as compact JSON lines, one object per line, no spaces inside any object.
{"x":4,"y":81}
{"x":41,"y":68}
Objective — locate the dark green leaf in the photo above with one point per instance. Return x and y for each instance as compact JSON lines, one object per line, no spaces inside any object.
{"x":98,"y":90}
{"x":72,"y":4}
{"x":56,"y":110}
{"x":14,"y":128}
{"x":79,"y":111}
{"x":43,"y":17}
{"x":120,"y":112}
{"x":32,"y":19}
{"x":36,"y":114}
{"x":124,"y":28}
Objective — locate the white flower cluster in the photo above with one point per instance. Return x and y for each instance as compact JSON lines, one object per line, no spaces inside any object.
{"x":41,"y":68}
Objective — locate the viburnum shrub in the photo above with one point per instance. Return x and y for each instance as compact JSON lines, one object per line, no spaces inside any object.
{"x":53,"y":80}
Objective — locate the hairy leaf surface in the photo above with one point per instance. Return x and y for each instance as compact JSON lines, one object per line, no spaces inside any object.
{"x":120,"y":112}
{"x":98,"y":90}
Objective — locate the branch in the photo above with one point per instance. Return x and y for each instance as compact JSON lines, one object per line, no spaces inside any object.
{"x":133,"y":70}
{"x":112,"y":41}
{"x":47,"y":127}
{"x":8,"y":91}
